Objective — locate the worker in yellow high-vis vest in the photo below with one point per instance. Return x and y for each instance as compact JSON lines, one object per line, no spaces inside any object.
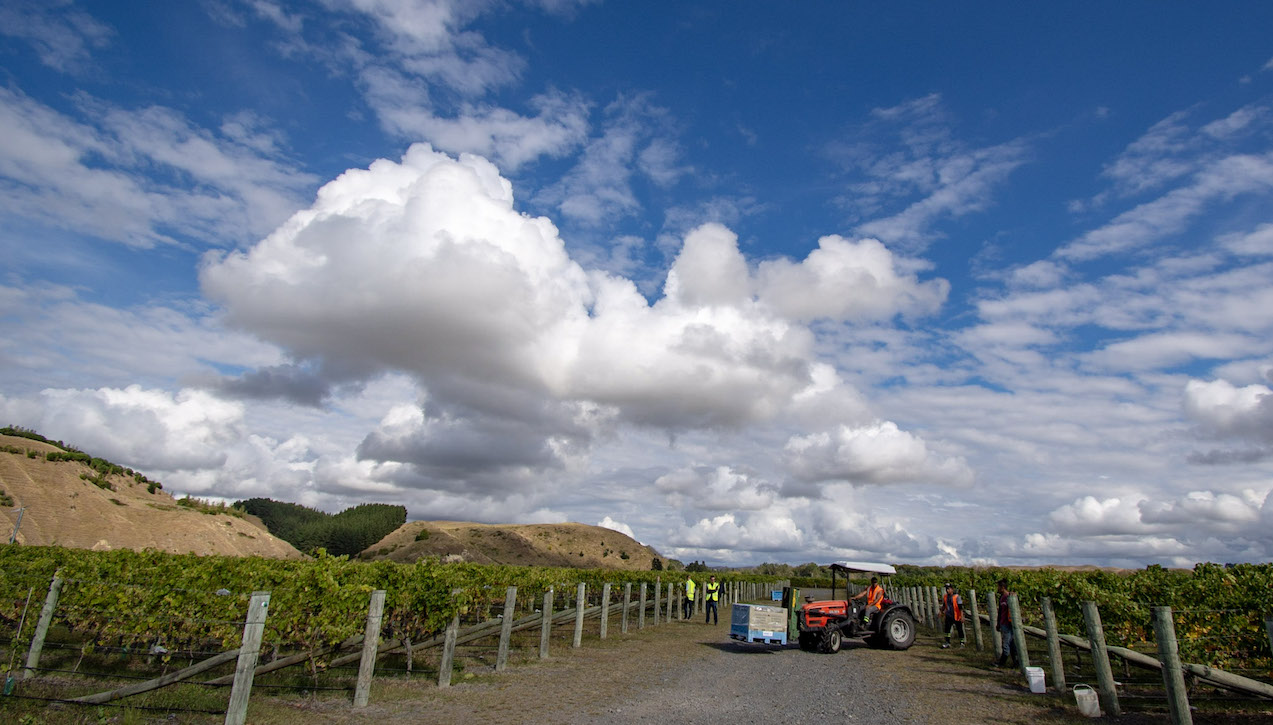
{"x":687,"y":604}
{"x":711,"y":595}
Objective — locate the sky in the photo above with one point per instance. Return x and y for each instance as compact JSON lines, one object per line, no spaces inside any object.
{"x":918,"y":282}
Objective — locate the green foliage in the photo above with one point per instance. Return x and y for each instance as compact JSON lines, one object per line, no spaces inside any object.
{"x":695,"y":566}
{"x":5,"y":499}
{"x":344,"y":534}
{"x":151,"y":596}
{"x":656,"y":564}
{"x":1218,"y":609}
{"x":423,"y":535}
{"x":209,"y":507}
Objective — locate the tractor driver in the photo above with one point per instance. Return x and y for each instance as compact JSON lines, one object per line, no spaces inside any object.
{"x":874,"y":595}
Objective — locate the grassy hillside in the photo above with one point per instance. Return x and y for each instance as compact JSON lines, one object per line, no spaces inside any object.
{"x":558,"y":545}
{"x":70,"y":498}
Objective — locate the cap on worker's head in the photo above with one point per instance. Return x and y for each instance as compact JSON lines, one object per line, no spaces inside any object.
{"x":949,"y":585}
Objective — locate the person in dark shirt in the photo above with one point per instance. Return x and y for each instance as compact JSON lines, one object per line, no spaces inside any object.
{"x":1005,"y":627}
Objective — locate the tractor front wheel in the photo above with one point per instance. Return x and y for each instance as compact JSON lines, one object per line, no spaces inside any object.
{"x":831,"y":640}
{"x":808,"y":641}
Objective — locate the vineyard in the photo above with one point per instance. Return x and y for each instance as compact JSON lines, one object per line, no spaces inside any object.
{"x":1220,"y":610}
{"x":119,"y":596}
{"x":125,"y":615}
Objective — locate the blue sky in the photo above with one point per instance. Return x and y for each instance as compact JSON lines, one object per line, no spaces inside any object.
{"x":750,"y":282}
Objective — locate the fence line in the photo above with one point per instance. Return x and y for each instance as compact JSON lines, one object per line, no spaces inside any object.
{"x":1176,"y":675}
{"x":374,"y":645}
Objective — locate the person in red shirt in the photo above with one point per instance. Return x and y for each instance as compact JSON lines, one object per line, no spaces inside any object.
{"x":952,"y":608}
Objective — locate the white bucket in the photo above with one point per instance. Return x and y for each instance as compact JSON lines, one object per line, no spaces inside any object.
{"x":1035,"y":676}
{"x":1085,"y":697}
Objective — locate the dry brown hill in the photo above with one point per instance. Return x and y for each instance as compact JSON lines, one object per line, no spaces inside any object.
{"x":573,"y":545}
{"x":63,"y":508}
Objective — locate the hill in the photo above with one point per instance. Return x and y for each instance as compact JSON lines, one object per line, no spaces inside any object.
{"x":69,"y":503}
{"x":563,"y":545}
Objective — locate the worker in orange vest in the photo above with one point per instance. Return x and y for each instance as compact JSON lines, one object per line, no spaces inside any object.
{"x":874,"y":595}
{"x":952,"y":608}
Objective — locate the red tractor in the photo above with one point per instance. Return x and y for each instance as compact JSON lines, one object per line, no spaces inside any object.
{"x":824,"y":625}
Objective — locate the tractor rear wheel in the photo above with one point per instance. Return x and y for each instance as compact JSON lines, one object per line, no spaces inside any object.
{"x":897,"y":631}
{"x":831,"y":640}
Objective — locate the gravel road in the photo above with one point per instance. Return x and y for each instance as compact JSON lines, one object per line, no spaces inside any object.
{"x":689,"y":671}
{"x":746,"y":683}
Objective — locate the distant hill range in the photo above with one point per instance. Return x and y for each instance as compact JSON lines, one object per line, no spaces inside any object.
{"x":72,"y":499}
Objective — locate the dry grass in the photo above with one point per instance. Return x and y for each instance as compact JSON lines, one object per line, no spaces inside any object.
{"x":64,"y":509}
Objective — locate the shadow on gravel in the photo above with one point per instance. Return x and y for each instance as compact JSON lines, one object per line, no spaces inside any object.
{"x":733,"y":646}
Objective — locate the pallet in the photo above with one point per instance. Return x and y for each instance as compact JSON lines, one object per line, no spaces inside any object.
{"x":761,"y":637}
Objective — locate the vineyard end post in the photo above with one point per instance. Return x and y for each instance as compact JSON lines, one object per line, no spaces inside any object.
{"x":370,"y":646}
{"x":506,"y":629}
{"x":42,"y":627}
{"x":1268,"y":629}
{"x":448,"y":651}
{"x":1172,"y":674}
{"x":641,"y":611}
{"x":1100,"y":659}
{"x":546,"y":624}
{"x":992,"y":614}
{"x":236,"y":713}
{"x":658,"y":591}
{"x":605,"y":609}
{"x":1018,"y":634}
{"x":1054,"y":646}
{"x":627,"y":601}
{"x":976,"y":620}
{"x":581,"y":602}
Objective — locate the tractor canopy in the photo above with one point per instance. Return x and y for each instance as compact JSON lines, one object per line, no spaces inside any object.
{"x":847,"y":567}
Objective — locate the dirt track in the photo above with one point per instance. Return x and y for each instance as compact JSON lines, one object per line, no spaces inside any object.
{"x":680,"y":671}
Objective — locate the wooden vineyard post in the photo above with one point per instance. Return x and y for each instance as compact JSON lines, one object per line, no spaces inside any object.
{"x":935,"y":598}
{"x":580,"y":603}
{"x":546,"y":625}
{"x":1018,"y":634}
{"x":658,"y":589}
{"x":506,"y":629}
{"x":670,"y":606}
{"x":992,"y":611}
{"x":370,"y":645}
{"x":42,"y":627}
{"x":605,"y":608}
{"x":1172,"y":674}
{"x":976,"y":620}
{"x":1268,"y":629}
{"x":641,"y":610}
{"x":1054,"y":646}
{"x":236,"y":713}
{"x":448,"y":652}
{"x":627,"y":601}
{"x":1100,"y":659}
